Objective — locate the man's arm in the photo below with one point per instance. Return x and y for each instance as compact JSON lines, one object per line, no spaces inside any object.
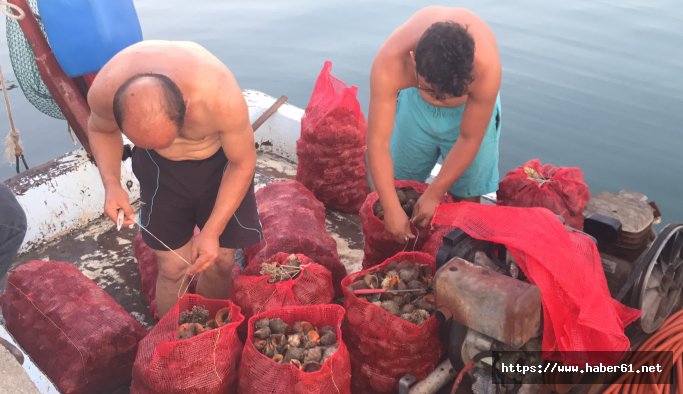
{"x":380,"y":127}
{"x":237,"y":139}
{"x":475,"y":121}
{"x":106,"y":143}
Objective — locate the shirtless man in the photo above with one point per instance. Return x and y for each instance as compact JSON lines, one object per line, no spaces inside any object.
{"x":194,"y":156}
{"x":443,"y":63}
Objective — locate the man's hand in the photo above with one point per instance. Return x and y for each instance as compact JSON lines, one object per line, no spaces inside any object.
{"x":116,"y":198}
{"x":204,"y":252}
{"x":397,"y":225}
{"x":424,"y":210}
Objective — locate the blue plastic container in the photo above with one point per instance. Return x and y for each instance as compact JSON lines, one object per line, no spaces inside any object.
{"x":86,"y":34}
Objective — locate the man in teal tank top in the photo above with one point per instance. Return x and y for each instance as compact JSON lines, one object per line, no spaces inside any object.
{"x":434,"y":97}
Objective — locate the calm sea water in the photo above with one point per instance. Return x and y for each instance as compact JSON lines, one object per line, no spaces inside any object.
{"x":596,"y":84}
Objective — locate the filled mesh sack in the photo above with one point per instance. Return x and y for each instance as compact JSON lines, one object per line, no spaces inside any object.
{"x":72,"y":329}
{"x":173,"y":360}
{"x":562,"y":190}
{"x":262,"y":374}
{"x":331,"y":149}
{"x":148,"y":270}
{"x":385,"y":347}
{"x":378,"y":245}
{"x":293,"y":221}
{"x":256,"y":293}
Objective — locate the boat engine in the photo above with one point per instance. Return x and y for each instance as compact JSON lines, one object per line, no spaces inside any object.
{"x":644,"y":270}
{"x":490,"y":306}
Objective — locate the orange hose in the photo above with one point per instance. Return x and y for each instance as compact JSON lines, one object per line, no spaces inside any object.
{"x":461,"y":374}
{"x":669,"y":337}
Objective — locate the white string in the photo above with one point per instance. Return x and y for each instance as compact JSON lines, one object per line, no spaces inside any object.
{"x":164,"y":245}
{"x":215,"y":366}
{"x":181,"y":292}
{"x":417,"y":230}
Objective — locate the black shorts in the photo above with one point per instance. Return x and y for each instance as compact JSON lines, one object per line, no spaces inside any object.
{"x":179,"y":195}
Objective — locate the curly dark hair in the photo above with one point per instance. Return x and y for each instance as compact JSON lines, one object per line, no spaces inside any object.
{"x":444,"y":57}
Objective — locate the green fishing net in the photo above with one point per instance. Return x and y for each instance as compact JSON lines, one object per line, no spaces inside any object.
{"x":26,"y":70}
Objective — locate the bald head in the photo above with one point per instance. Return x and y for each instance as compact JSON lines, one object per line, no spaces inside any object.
{"x":150,"y":110}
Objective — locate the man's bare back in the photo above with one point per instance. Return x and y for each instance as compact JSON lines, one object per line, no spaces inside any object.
{"x":204,"y":80}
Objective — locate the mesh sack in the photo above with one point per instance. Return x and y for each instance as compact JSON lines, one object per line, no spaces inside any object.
{"x":435,"y":240}
{"x":147,"y":267}
{"x":331,"y":150}
{"x":206,"y":363}
{"x":384,"y":347}
{"x":293,"y":221}
{"x":72,"y":329}
{"x":579,"y":313}
{"x":25,"y":68}
{"x":260,"y":374}
{"x":560,"y":189}
{"x":254,"y":294}
{"x":378,"y":245}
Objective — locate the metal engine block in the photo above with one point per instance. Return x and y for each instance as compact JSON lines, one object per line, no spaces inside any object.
{"x":486,"y":304}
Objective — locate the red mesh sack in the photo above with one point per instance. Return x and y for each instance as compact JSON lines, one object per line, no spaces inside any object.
{"x":331,"y":150}
{"x":378,"y":244}
{"x":384,"y":347}
{"x":293,"y":221}
{"x":435,"y":240}
{"x":72,"y":329}
{"x":579,"y":313}
{"x":147,"y":267}
{"x":260,"y":374}
{"x":254,"y":294}
{"x":206,"y":363}
{"x":560,"y":189}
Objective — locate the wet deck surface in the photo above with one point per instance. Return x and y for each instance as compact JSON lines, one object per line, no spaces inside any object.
{"x":106,"y":255}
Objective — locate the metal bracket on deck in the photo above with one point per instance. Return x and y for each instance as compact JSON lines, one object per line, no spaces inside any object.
{"x":405,"y":383}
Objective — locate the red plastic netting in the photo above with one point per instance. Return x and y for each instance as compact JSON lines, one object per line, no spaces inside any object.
{"x":560,"y":189}
{"x":378,"y":244}
{"x":578,"y":311}
{"x":260,"y":374}
{"x":331,"y":150}
{"x":147,"y":267}
{"x":254,"y":294}
{"x":293,"y":221}
{"x":206,"y":363}
{"x":72,"y":329}
{"x":435,"y":240}
{"x":384,"y":347}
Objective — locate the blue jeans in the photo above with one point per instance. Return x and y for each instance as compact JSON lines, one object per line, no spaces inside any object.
{"x":12,"y":228}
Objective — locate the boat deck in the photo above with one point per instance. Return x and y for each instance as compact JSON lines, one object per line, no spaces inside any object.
{"x":106,"y":255}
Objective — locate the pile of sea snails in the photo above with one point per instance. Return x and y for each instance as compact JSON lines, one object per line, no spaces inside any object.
{"x":196,"y":320}
{"x":290,"y":269}
{"x":409,"y":292}
{"x":302,"y":345}
{"x":407,"y":196}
